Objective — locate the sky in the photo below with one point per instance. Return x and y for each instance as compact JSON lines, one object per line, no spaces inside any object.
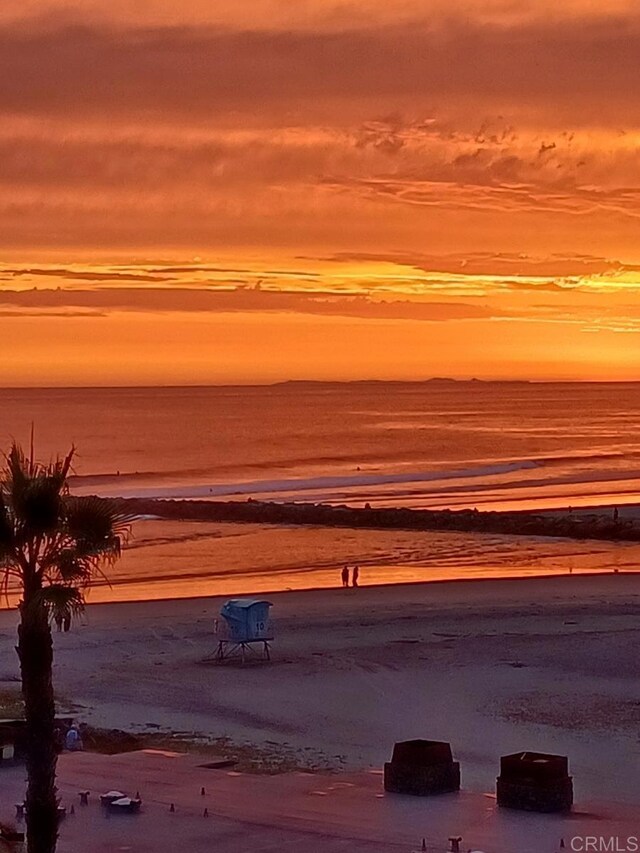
{"x":265,"y":190}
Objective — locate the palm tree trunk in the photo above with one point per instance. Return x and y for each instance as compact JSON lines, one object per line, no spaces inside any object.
{"x":35,"y":649}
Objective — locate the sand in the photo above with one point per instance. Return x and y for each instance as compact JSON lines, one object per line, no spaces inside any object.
{"x":493,"y":666}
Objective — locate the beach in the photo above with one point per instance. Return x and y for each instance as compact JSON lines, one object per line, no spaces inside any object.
{"x":493,"y":666}
{"x":497,"y":609}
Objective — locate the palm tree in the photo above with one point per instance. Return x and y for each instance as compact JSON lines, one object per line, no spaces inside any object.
{"x":52,"y":546}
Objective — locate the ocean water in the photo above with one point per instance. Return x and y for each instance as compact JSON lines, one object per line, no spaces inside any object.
{"x":434,"y":444}
{"x":424,"y":445}
{"x":172,"y":559}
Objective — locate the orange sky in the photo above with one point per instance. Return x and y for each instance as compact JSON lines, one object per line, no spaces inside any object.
{"x":246,"y":192}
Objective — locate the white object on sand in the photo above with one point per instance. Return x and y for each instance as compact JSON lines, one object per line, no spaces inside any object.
{"x":110,"y":797}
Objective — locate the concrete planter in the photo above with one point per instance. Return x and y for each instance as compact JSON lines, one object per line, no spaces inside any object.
{"x":422,"y":768}
{"x":534,"y":781}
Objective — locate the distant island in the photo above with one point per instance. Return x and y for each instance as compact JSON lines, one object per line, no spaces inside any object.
{"x":433,"y":380}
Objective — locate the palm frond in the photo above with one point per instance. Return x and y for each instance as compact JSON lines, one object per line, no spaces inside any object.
{"x":16,"y":474}
{"x":7,"y":574}
{"x":34,"y":491}
{"x":98,"y":525}
{"x":69,"y":567}
{"x":39,"y":511}
{"x":61,"y":600}
{"x":49,"y":538}
{"x":6,"y":527}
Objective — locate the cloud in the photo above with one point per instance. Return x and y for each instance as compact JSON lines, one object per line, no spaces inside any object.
{"x":495,"y":263}
{"x":117,"y":134}
{"x":12,"y":313}
{"x":84,"y":275}
{"x":153,"y":273}
{"x":244,"y":299}
{"x":206,"y":268}
{"x":66,"y":186}
{"x":314,"y":15}
{"x":585,"y":68}
{"x":105,"y":301}
{"x":500,"y":197}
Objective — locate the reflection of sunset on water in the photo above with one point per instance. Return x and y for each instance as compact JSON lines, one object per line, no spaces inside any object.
{"x":167,"y":559}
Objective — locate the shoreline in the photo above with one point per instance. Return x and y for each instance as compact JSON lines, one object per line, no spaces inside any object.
{"x":463,"y":589}
{"x":141,"y":592}
{"x":581,"y":577}
{"x":402,"y":585}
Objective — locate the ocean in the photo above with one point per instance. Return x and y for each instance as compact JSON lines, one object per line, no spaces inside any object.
{"x":435,"y":444}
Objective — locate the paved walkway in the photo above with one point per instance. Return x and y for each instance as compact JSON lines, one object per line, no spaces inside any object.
{"x":301,"y":812}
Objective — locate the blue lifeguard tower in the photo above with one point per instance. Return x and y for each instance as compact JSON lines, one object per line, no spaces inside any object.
{"x":248,"y":630}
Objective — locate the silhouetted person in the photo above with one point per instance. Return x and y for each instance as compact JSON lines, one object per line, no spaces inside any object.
{"x":58,"y":620}
{"x":356,"y":575}
{"x":73,"y":741}
{"x":616,"y":515}
{"x":345,"y":576}
{"x":67,"y":622}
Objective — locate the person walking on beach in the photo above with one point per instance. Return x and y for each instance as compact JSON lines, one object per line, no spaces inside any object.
{"x":356,"y":575}
{"x":67,"y":622}
{"x":58,"y":620}
{"x":345,"y":576}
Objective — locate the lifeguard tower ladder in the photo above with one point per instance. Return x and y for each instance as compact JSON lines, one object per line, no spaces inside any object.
{"x":247,"y":631}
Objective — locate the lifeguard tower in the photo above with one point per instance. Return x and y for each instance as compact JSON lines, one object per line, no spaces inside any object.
{"x":246,"y":631}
